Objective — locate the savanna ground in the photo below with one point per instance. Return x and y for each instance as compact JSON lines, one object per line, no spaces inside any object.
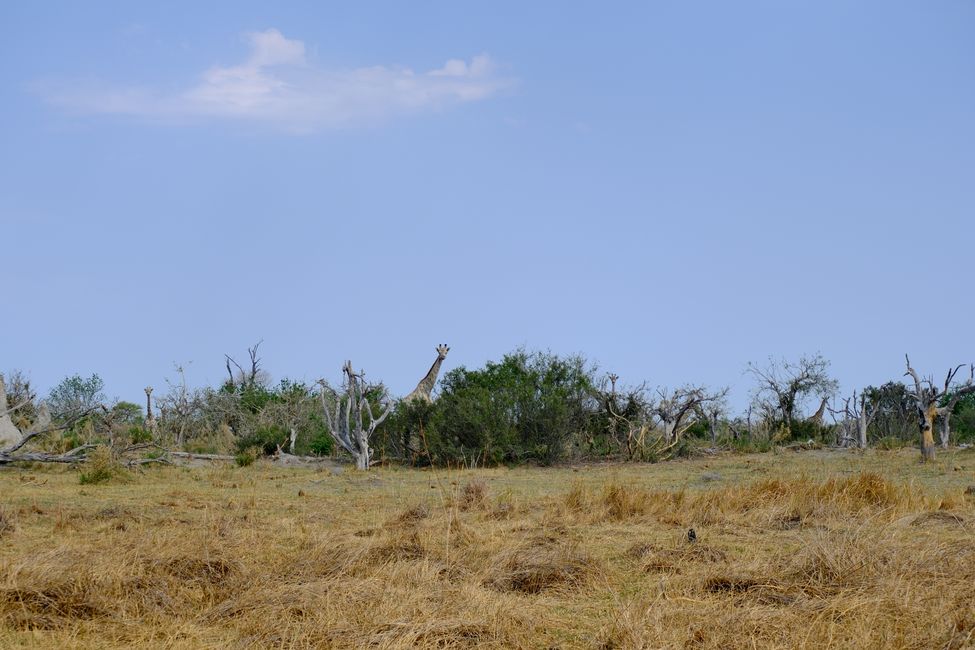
{"x":794,"y":549}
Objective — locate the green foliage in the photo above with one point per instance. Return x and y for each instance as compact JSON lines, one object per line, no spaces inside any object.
{"x":322,"y":444}
{"x":698,"y":429}
{"x":752,"y":445}
{"x":896,"y":415}
{"x":963,"y":419}
{"x":400,"y":435}
{"x":138,"y":434}
{"x":75,"y":394}
{"x":807,"y":430}
{"x":126,"y":413}
{"x":527,"y":407}
{"x":246,"y":457}
{"x":266,"y":439}
{"x":313,"y":436}
{"x":101,"y":467}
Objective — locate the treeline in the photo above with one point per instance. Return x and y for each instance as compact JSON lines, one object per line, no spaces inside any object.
{"x":528,"y":407}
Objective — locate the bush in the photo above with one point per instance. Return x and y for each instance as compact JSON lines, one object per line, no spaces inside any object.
{"x":138,"y":435}
{"x":963,"y":419}
{"x":246,"y":457}
{"x":752,"y":445}
{"x":322,"y":444}
{"x":528,"y":407}
{"x":101,"y":467}
{"x":266,"y":439}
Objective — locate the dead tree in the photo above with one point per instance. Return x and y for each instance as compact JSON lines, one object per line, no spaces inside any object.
{"x":350,"y":418}
{"x":949,"y":405}
{"x":255,"y":375}
{"x":782,"y":386}
{"x":712,"y":415}
{"x":673,"y":408}
{"x":860,"y":412}
{"x":932,"y":401}
{"x":9,"y":433}
{"x":178,"y":407}
{"x":292,"y":409}
{"x":42,"y":425}
{"x":627,"y":416}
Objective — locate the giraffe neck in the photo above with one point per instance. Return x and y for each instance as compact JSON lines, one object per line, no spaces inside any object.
{"x":149,"y":405}
{"x":426,"y":384}
{"x":822,"y":409}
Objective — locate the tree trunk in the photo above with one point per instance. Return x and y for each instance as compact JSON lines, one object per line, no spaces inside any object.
{"x":669,"y":428}
{"x":945,"y":429}
{"x":927,"y":432}
{"x":862,"y":431}
{"x":362,"y":459}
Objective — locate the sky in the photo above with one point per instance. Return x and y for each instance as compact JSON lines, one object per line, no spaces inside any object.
{"x":673,"y":189}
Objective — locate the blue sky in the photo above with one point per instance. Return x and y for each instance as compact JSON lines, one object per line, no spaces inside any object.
{"x":673,"y":189}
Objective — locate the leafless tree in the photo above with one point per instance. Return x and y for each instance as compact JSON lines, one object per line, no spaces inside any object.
{"x":928,"y":398}
{"x":783,"y":385}
{"x":42,"y":425}
{"x":178,"y":408}
{"x":742,"y":426}
{"x":22,"y":395}
{"x":949,"y":405}
{"x":858,"y":412}
{"x":254,"y":375}
{"x":350,"y":417}
{"x":674,"y":407}
{"x":293,"y":410}
{"x":711,"y":413}
{"x":627,"y":415}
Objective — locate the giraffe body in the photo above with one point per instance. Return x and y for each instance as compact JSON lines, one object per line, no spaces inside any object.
{"x":817,"y":417}
{"x":424,"y":390}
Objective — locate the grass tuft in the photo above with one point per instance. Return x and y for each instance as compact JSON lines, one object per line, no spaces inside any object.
{"x":805,"y":549}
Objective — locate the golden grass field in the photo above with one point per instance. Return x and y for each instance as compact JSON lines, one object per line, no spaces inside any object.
{"x":812,"y":549}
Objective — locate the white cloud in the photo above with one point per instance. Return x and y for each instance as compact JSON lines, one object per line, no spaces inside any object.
{"x":276,"y":85}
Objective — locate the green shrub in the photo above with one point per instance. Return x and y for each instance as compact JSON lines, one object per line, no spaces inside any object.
{"x":806,"y":430}
{"x":69,"y":440}
{"x":246,"y":457}
{"x":267,"y":439}
{"x":138,"y":434}
{"x":322,"y":444}
{"x":527,"y":407}
{"x":100,"y":467}
{"x":750,"y":445}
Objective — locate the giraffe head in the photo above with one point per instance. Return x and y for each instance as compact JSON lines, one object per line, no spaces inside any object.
{"x":442,"y":351}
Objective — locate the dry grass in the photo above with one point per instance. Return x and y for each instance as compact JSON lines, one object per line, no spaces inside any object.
{"x":811,"y":549}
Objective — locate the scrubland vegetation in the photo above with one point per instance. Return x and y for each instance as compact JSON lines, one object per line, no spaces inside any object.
{"x":807,"y":548}
{"x":529,"y":407}
{"x":524,"y":504}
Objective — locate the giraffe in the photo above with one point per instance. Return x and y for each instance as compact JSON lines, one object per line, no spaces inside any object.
{"x":423,"y":390}
{"x":150,"y":418}
{"x":817,"y":417}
